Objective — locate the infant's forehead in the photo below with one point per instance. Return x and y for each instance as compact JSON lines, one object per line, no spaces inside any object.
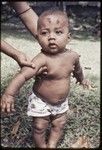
{"x":59,"y":19}
{"x":58,"y":16}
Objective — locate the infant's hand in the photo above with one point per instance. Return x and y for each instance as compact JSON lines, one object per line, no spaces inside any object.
{"x":7,"y":103}
{"x":86,"y":84}
{"x":42,"y":70}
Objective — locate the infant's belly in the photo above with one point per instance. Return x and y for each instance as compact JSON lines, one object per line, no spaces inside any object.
{"x":52,"y":91}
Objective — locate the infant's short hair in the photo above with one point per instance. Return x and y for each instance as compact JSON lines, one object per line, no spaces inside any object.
{"x":53,"y":11}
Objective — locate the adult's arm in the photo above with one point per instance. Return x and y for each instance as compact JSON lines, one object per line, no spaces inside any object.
{"x":19,"y":56}
{"x":29,"y":17}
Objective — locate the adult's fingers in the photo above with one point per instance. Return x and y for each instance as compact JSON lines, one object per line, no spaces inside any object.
{"x":32,"y":65}
{"x":27,"y":64}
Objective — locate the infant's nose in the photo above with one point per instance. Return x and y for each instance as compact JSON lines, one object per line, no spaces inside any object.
{"x":51,"y":36}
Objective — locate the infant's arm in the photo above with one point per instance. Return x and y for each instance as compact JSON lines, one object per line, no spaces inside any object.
{"x":78,"y":73}
{"x":25,"y":74}
{"x":7,"y":100}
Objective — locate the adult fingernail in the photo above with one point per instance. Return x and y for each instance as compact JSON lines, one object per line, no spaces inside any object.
{"x":33,"y":66}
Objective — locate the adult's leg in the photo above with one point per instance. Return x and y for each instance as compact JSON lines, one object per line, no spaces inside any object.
{"x":40,"y":125}
{"x":58,"y":123}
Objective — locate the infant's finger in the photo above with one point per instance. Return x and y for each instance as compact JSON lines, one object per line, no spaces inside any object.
{"x":44,"y":67}
{"x":0,"y":104}
{"x":89,"y":86}
{"x":12,"y":107}
{"x":3,"y":105}
{"x":8,"y":107}
{"x":84,"y":86}
{"x":45,"y":73}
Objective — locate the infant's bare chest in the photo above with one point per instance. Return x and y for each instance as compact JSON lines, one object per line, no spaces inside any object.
{"x":59,"y":67}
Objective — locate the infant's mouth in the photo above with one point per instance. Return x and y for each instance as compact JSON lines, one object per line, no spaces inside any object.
{"x":52,"y":45}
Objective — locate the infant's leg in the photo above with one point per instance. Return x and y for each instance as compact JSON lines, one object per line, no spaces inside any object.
{"x":40,"y":125}
{"x":58,"y":123}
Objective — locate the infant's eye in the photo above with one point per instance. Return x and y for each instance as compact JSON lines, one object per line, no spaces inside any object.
{"x":44,"y":32}
{"x":59,"y":32}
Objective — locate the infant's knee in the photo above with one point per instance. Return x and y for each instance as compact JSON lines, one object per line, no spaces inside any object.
{"x":59,"y":125}
{"x":39,"y":128}
{"x":62,"y":123}
{"x":59,"y":122}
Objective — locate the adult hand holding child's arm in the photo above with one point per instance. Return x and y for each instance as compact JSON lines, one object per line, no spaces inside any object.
{"x":26,"y":73}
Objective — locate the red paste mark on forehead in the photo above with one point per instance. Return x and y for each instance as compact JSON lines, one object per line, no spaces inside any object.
{"x":57,"y":21}
{"x":49,"y":20}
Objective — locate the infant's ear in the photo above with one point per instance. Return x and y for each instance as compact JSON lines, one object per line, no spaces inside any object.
{"x":69,"y":37}
{"x":36,"y":36}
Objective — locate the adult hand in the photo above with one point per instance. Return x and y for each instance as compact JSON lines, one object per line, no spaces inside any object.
{"x":23,"y":60}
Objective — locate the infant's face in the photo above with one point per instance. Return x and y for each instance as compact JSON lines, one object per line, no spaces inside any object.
{"x":53,"y":33}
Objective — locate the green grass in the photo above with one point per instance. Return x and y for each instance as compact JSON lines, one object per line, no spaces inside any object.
{"x":85,"y":119}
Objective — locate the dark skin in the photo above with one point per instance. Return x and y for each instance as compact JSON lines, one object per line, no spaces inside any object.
{"x":55,"y":85}
{"x":18,"y":56}
{"x":29,"y":19}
